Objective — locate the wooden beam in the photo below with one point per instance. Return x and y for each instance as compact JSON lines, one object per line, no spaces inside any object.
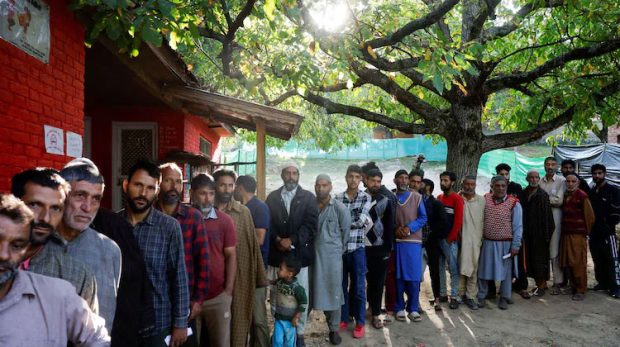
{"x":261,"y":158}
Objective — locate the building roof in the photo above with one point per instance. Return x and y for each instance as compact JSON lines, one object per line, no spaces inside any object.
{"x":163,"y":74}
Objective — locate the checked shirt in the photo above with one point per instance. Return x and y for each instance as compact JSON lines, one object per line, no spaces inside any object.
{"x":360,"y":209}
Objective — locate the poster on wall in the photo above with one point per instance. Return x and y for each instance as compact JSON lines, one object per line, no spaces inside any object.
{"x":54,"y":142}
{"x":74,"y":145}
{"x":26,"y":24}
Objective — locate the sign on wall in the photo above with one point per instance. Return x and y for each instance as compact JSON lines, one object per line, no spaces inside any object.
{"x":26,"y":24}
{"x":74,"y":145}
{"x":54,"y":141}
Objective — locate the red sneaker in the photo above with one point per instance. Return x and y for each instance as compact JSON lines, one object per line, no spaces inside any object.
{"x":344,"y":325}
{"x":359,"y":331}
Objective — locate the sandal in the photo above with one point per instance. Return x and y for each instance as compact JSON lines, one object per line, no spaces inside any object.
{"x":377,"y":323}
{"x":555,"y":290}
{"x":525,"y":294}
{"x":388,"y":319}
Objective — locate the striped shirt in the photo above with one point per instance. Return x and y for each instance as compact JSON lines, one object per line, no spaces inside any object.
{"x":161,"y":242}
{"x":360,"y":216}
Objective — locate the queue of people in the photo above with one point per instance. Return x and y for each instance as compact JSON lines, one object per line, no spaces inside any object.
{"x":164,"y":273}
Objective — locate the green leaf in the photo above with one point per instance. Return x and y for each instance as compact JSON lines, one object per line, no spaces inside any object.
{"x":151,"y":34}
{"x":269,"y":8}
{"x":438,"y":83}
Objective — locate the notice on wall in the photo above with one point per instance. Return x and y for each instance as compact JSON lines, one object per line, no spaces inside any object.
{"x":26,"y":24}
{"x":74,"y":145}
{"x":54,"y":142}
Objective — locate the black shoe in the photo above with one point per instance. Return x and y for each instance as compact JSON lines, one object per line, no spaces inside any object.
{"x":503,"y":304}
{"x":597,"y":288}
{"x":482,"y":302}
{"x":454,"y":304}
{"x":615,"y":293}
{"x":491,"y":296}
{"x":471,"y":304}
{"x":443,"y":298}
{"x":334,"y":338}
{"x":300,"y":341}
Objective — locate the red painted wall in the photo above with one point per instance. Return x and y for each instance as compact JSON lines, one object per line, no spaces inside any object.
{"x":175,"y":131}
{"x":33,"y":93}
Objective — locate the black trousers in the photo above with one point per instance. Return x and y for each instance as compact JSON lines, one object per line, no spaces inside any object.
{"x":433,"y":251}
{"x":605,"y":257}
{"x":375,"y":280}
{"x":520,"y":278}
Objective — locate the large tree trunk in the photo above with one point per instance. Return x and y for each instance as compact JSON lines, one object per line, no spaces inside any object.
{"x":464,"y":139}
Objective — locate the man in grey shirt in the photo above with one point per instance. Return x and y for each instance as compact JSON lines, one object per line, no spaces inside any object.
{"x":38,"y":310}
{"x":75,"y":237}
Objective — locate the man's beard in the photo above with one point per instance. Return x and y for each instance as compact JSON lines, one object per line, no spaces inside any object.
{"x":9,"y":273}
{"x":374,"y":190}
{"x":444,"y":189}
{"x":171,"y":197}
{"x":205,"y":209}
{"x":291,"y":185}
{"x":534,"y":185}
{"x":134,"y":208}
{"x":37,"y":240}
{"x":322,"y":195}
{"x":598,"y":181}
{"x":223,"y":197}
{"x":469,"y":191}
{"x":402,"y":187}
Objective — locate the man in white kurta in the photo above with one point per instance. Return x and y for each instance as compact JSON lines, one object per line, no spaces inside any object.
{"x":471,"y":241}
{"x":555,"y":186}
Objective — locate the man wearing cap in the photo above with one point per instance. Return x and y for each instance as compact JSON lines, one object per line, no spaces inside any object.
{"x":329,"y":246}
{"x":502,"y":231}
{"x":294,"y":221}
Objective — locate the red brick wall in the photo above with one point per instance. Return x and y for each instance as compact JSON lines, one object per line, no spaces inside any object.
{"x":33,"y":94}
{"x":195,"y":128}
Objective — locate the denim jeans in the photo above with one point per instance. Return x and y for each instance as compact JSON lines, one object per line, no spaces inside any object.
{"x":450,"y":253}
{"x":354,"y":266}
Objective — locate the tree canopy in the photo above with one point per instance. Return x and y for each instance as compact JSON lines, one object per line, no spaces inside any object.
{"x":451,"y":68}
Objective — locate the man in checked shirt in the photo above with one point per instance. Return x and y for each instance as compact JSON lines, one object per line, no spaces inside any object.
{"x":194,"y":237}
{"x":161,"y":242}
{"x":354,"y":259}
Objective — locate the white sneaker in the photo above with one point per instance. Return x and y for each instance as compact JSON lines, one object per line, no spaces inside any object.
{"x":415,"y":317}
{"x":401,"y":316}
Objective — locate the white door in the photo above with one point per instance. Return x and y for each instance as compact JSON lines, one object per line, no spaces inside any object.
{"x":131,"y":141}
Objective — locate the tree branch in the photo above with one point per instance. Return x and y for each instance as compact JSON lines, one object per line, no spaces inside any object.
{"x":441,"y":23}
{"x":512,"y":24}
{"x":515,"y":139}
{"x":238,"y":22}
{"x":415,"y":104}
{"x":509,"y":81}
{"x":334,"y":107}
{"x":429,"y":19}
{"x":475,"y":14}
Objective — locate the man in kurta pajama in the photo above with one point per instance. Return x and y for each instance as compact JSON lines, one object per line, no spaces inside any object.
{"x":503,"y":229}
{"x":250,"y":269}
{"x":538,"y":226}
{"x":555,"y":185}
{"x":471,"y":240}
{"x":410,"y":218}
{"x":326,"y":272}
{"x":577,"y":220}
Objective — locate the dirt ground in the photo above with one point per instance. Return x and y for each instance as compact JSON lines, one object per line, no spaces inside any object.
{"x":545,"y":321}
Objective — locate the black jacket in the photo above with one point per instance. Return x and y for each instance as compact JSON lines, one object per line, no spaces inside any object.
{"x":606,"y":205}
{"x":134,"y":316}
{"x":437,"y":220}
{"x":300,"y":225}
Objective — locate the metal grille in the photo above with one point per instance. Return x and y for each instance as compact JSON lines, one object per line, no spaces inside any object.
{"x":135,"y":144}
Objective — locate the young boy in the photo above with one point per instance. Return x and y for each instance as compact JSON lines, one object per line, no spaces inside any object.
{"x":291,"y":301}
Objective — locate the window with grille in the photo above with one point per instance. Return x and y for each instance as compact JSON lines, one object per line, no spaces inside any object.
{"x":205,"y":146}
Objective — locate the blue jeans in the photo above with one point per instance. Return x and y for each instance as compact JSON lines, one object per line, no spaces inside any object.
{"x":284,"y":334}
{"x":412,"y":288}
{"x":354,"y":266}
{"x":450,"y":253}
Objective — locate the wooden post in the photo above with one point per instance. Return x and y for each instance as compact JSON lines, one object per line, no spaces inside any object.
{"x":260,"y":159}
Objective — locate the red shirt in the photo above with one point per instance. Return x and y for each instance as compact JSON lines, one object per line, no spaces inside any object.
{"x":222,"y":234}
{"x":454,"y":205}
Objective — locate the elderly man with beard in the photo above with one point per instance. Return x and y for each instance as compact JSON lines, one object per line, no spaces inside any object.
{"x":380,"y":239}
{"x":329,"y":246}
{"x":605,"y":199}
{"x":570,"y":166}
{"x":161,"y":242}
{"x":294,"y":222}
{"x":554,"y":185}
{"x":76,"y":238}
{"x":471,"y":240}
{"x":538,"y":226}
{"x":38,"y":310}
{"x":250,"y":268}
{"x":577,"y":220}
{"x":503,"y":229}
{"x":45,"y":192}
{"x":194,"y":238}
{"x":215,"y":313}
